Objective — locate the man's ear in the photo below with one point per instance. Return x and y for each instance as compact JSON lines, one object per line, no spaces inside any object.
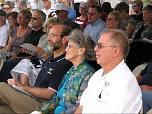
{"x":65,"y":39}
{"x":116,"y":51}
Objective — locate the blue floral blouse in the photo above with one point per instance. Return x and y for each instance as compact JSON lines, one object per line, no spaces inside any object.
{"x":67,"y":98}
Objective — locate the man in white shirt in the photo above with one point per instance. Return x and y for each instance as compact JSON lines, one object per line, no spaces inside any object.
{"x":33,"y":4}
{"x":112,"y":89}
{"x":47,"y":7}
{"x":4,"y":29}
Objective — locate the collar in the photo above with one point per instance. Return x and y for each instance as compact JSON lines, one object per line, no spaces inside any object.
{"x":58,"y":59}
{"x":96,"y":22}
{"x":113,"y":70}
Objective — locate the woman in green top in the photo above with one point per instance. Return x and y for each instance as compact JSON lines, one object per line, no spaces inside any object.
{"x":75,"y":81}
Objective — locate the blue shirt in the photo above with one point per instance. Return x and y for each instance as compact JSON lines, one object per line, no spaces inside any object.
{"x":94,"y":29}
{"x":71,"y":14}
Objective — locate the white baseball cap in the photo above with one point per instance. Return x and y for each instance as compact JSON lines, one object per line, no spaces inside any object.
{"x":61,"y":6}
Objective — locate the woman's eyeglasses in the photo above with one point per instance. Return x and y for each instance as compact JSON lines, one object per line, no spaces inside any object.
{"x":71,"y":45}
{"x":109,"y":19}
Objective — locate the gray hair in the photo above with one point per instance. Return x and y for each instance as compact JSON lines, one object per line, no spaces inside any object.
{"x":26,"y":13}
{"x":119,"y":37}
{"x":118,"y":18}
{"x":43,"y":15}
{"x":83,"y":4}
{"x":84,"y":41}
{"x":52,"y":20}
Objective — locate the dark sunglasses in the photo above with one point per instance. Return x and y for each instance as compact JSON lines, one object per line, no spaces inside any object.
{"x":34,"y":18}
{"x":6,"y":8}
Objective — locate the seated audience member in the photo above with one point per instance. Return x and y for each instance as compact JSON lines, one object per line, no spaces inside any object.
{"x":114,"y":21}
{"x":12,"y":20}
{"x":27,"y":70}
{"x":7,"y":6}
{"x":62,"y":12}
{"x":19,"y":34}
{"x":145,"y":81}
{"x":137,"y":10}
{"x":71,"y":10}
{"x":47,"y":7}
{"x":144,"y":28}
{"x":47,"y":82}
{"x":95,"y":24}
{"x":37,"y":21}
{"x":129,"y":23}
{"x":83,"y":18}
{"x":38,"y":18}
{"x":141,"y":40}
{"x":21,"y":4}
{"x":106,"y":7}
{"x":76,"y":79}
{"x":4,"y":29}
{"x":32,"y":4}
{"x":43,"y":49}
{"x":101,"y":95}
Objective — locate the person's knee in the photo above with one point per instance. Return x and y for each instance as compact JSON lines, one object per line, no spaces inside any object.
{"x":3,"y":85}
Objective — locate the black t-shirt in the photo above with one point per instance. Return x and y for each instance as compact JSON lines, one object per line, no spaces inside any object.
{"x":52,"y":72}
{"x":34,"y":36}
{"x":138,"y":34}
{"x":138,"y":18}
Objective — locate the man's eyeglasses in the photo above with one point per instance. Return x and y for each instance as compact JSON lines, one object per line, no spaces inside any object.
{"x":99,"y":45}
{"x":53,"y":34}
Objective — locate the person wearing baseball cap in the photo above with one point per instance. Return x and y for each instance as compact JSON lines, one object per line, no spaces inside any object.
{"x":61,"y":11}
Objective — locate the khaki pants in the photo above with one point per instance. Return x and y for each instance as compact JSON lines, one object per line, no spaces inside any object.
{"x":12,"y":101}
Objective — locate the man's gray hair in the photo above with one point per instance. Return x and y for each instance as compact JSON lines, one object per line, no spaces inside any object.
{"x":43,"y":15}
{"x":119,"y":38}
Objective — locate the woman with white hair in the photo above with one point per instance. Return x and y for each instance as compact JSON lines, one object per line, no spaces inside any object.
{"x":76,"y":79}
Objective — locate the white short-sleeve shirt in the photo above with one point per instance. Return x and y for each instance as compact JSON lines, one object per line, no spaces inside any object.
{"x":4,"y":33}
{"x":115,"y":92}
